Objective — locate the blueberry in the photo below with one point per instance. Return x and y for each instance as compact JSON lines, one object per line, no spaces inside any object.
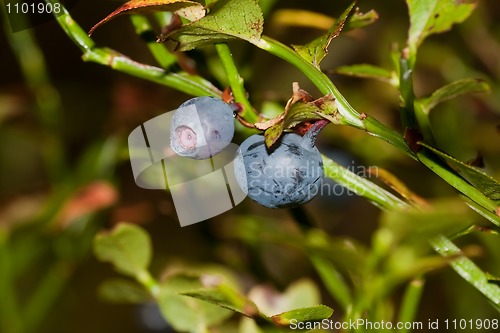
{"x":201,"y":127}
{"x":288,"y":176}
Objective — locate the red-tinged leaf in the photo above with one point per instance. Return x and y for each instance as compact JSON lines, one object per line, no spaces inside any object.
{"x":272,"y":134}
{"x":297,"y":95}
{"x":300,"y":109}
{"x":189,"y":9}
{"x":264,"y":125}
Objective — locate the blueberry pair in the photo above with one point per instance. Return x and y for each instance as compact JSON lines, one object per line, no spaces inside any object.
{"x":287,"y":176}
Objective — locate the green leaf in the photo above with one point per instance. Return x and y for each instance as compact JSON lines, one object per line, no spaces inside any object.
{"x":361,"y":20}
{"x":127,"y":247}
{"x":123,"y":291}
{"x":314,"y":313}
{"x":371,"y":72}
{"x":184,"y":313}
{"x":315,"y":51}
{"x":185,"y":8}
{"x":453,"y":90}
{"x":468,"y":270}
{"x":227,"y":20}
{"x":429,"y":17}
{"x":484,"y":183}
{"x":226,"y":297}
{"x":491,"y":216}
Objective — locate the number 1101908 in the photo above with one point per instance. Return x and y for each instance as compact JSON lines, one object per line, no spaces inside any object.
{"x":33,"y":8}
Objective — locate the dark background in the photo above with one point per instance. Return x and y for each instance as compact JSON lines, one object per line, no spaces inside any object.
{"x":98,"y":102}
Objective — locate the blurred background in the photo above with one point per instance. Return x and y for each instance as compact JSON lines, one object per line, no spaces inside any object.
{"x":65,"y":173}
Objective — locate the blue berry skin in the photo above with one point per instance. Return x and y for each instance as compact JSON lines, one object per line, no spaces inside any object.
{"x":201,"y":127}
{"x":288,"y":176}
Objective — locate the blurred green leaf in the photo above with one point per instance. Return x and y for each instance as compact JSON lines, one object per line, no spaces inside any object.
{"x":187,"y":314}
{"x":248,"y":325}
{"x":98,"y":161}
{"x":314,"y":313}
{"x":300,"y":294}
{"x":410,"y":302}
{"x":453,"y":90}
{"x":315,"y":51}
{"x":371,"y":72}
{"x":333,"y":280}
{"x":347,"y":254}
{"x":127,"y":247}
{"x":489,"y":186}
{"x":227,"y":20}
{"x":225,"y":297}
{"x":421,"y":224}
{"x":306,"y":18}
{"x":429,"y":17}
{"x":188,"y":9}
{"x":123,"y":291}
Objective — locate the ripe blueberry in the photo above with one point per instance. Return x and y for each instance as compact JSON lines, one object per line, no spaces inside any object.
{"x":201,"y":127}
{"x":288,"y":176}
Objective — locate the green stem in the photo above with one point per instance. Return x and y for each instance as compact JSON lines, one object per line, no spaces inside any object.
{"x":448,"y":175}
{"x":424,"y":124}
{"x":72,"y":29}
{"x":408,"y":98}
{"x":325,"y":86}
{"x":151,"y":285}
{"x":162,"y":55}
{"x":361,"y":186}
{"x":236,"y":82}
{"x":189,"y":84}
{"x":369,"y":124}
{"x":441,"y":244}
{"x":467,"y":269}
